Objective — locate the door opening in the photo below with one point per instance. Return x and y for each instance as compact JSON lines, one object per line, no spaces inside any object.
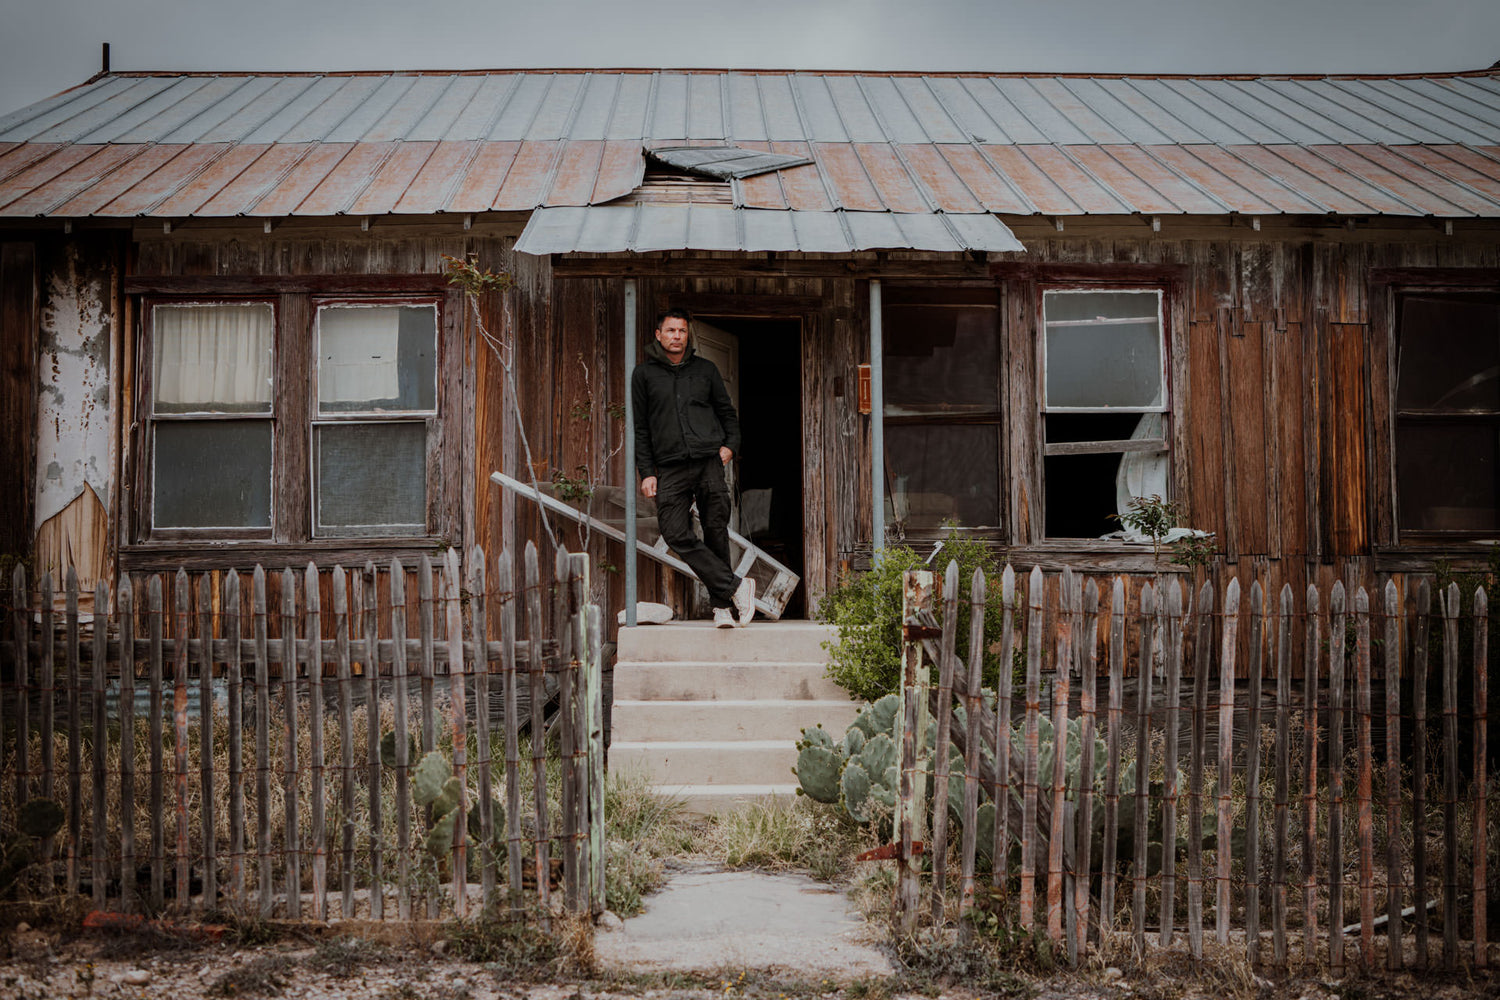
{"x":767,"y":484}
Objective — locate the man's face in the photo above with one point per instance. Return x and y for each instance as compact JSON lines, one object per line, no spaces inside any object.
{"x":672,"y":335}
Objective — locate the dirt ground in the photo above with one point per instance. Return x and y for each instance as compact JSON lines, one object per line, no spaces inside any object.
{"x":415,"y":964}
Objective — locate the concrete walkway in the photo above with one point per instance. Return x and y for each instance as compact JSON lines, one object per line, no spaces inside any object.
{"x":708,"y":919}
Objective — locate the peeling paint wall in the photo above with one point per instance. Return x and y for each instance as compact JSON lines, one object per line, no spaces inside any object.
{"x":73,"y":391}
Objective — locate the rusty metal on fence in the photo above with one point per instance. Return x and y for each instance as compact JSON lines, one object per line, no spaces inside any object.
{"x":295,"y":678}
{"x":1345,"y":653}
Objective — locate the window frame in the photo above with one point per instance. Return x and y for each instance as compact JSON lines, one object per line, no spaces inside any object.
{"x":294,"y":415}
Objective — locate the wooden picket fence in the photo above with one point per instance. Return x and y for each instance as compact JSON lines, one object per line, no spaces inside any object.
{"x":1060,"y":872}
{"x":276,"y":688}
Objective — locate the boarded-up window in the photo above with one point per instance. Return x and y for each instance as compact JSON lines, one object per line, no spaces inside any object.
{"x":1104,"y":406}
{"x":942,"y":409}
{"x":1447,"y":444}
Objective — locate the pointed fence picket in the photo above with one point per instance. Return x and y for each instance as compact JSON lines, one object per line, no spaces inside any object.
{"x":266,"y":680}
{"x":1349,"y":652}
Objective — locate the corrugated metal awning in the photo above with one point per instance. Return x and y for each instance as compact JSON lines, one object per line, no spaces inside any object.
{"x":724,"y":162}
{"x":643,"y":228}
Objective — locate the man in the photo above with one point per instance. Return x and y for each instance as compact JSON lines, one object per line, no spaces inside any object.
{"x":686,"y":431}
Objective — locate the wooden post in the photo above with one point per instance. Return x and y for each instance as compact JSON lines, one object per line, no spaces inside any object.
{"x":427,"y":629}
{"x":1393,"y":877}
{"x":260,"y":653}
{"x":972,"y":709}
{"x":1364,"y":805}
{"x":944,"y":722}
{"x":234,"y":649}
{"x":506,"y":581}
{"x":1112,"y":756}
{"x":458,"y":709}
{"x":206,"y":738}
{"x":75,"y":732}
{"x":536,"y":677}
{"x":595,"y":690}
{"x":1172,"y":653}
{"x":1419,"y":769}
{"x":1001,"y":793}
{"x":125,"y":605}
{"x":1252,"y":777}
{"x":1450,"y":778}
{"x":1202,"y":653}
{"x":479,"y":628}
{"x":371,"y":656}
{"x":1481,"y":749}
{"x":1336,"y":652}
{"x":21,"y":632}
{"x":566,"y":623}
{"x":400,"y":712}
{"x":1083,"y":843}
{"x":1223,"y":853}
{"x":1280,"y":818}
{"x":46,"y":688}
{"x":182,"y":595}
{"x":290,"y":736}
{"x":1067,"y":610}
{"x":156,"y":815}
{"x":344,"y":677}
{"x":1310,"y":778}
{"x":1034,"y":641}
{"x":315,"y":724}
{"x":100,"y":736}
{"x":1147,"y":668}
{"x":916,"y":598}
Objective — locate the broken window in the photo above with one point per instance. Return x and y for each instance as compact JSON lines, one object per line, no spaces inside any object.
{"x":342,"y":443}
{"x":1105,"y":406}
{"x":941,"y":392}
{"x":1447,"y":447}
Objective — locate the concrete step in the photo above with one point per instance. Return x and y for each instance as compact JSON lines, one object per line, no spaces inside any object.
{"x":759,"y":642}
{"x":725,"y":719}
{"x":697,"y":680}
{"x":709,"y":762}
{"x":705,"y":800}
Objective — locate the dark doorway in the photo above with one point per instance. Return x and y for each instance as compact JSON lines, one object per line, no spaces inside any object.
{"x":770,"y":393}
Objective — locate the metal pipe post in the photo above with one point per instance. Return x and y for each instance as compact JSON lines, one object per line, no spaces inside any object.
{"x":630,"y":477}
{"x":877,"y":424}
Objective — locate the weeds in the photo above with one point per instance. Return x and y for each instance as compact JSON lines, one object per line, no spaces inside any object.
{"x":261,"y":976}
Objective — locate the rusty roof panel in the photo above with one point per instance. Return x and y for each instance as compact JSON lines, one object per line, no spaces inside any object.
{"x":1357,"y":161}
{"x":194,"y":192}
{"x":1120,"y":174}
{"x":893,"y":184}
{"x":1234,"y":182}
{"x":1379,"y":198}
{"x":335,"y":193}
{"x":481,"y":183}
{"x":1465,"y":199}
{"x":17,"y":156}
{"x":257,"y":179}
{"x":621,"y":170}
{"x":1464,"y":166}
{"x":941,"y":183}
{"x":1322,"y":184}
{"x":141,"y":161}
{"x":984,"y":181}
{"x":577,"y":172}
{"x":300,"y":181}
{"x":802,"y":186}
{"x":143,"y":197}
{"x":1090,"y":195}
{"x":386,"y":188}
{"x":528,"y":178}
{"x":1034,"y":184}
{"x":43,"y":171}
{"x":845,"y":175}
{"x":431,"y":189}
{"x":762,"y":190}
{"x":70,"y":182}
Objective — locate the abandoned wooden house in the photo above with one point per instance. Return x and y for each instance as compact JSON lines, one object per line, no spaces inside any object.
{"x":228,"y":336}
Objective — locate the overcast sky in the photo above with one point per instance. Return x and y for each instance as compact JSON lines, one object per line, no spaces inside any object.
{"x":49,"y":45}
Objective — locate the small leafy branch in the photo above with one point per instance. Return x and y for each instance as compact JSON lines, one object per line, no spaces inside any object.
{"x":1155,"y":519}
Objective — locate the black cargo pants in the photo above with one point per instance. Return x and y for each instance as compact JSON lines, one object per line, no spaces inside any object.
{"x":678,"y":487}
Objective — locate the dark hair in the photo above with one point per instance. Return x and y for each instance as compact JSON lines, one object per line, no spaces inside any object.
{"x":673,"y":313}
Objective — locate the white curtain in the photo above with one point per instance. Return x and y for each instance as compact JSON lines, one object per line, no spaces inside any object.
{"x":1142,"y":473}
{"x":213,"y":357}
{"x":357,"y":353}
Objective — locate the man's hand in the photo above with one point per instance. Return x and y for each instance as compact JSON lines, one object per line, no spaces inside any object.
{"x":648,"y":486}
{"x":725,"y":455}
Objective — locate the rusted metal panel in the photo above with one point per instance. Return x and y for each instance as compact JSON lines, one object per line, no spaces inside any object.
{"x":392,"y":179}
{"x":300,"y":180}
{"x":142,"y":161}
{"x":43,"y":171}
{"x":481,"y":184}
{"x":1034,"y":184}
{"x":144,"y":196}
{"x":943,"y":185}
{"x":1271,"y":164}
{"x":1465,"y":166}
{"x":1090,"y":195}
{"x":430,"y":190}
{"x":848,"y":183}
{"x":1349,"y":184}
{"x":577,"y":172}
{"x":994,"y":192}
{"x":892,"y":183}
{"x":802,"y":186}
{"x":201,"y":187}
{"x":336,"y":192}
{"x":1129,"y":185}
{"x":621,"y":168}
{"x":256,"y":180}
{"x":1427,"y":194}
{"x":1261,"y":191}
{"x":17,"y":156}
{"x":65,"y":185}
{"x":762,"y":190}
{"x":528,"y":177}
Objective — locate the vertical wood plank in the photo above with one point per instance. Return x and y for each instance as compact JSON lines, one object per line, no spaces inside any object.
{"x":313,"y":600}
{"x":1223,"y":848}
{"x":290,"y":736}
{"x":1310,"y":776}
{"x":1450,"y":777}
{"x":943,"y":722}
{"x":596,"y":759}
{"x":1000,"y":795}
{"x":1481,"y":801}
{"x":1114,"y":720}
{"x":402,"y":755}
{"x":260,"y":655}
{"x":506,"y":582}
{"x":1088,"y":681}
{"x":1172,"y":682}
{"x":183,"y":599}
{"x":459,"y":717}
{"x":1281,"y":815}
{"x":21,"y":633}
{"x":1252,"y":776}
{"x":73,"y":706}
{"x":1422,"y":623}
{"x":1202,"y":653}
{"x":371,"y":635}
{"x":100,"y":737}
{"x":916,"y":598}
{"x":125,"y":607}
{"x":576,"y":769}
{"x":343,"y":677}
{"x":1147,"y":670}
{"x":1393,"y":872}
{"x":1067,"y":612}
{"x":1364,"y":804}
{"x":565,"y":621}
{"x":538,"y":690}
{"x":234,"y":651}
{"x":1338,"y":625}
{"x":427,"y":629}
{"x":154,"y":697}
{"x":47,"y":702}
{"x":1034,"y":641}
{"x":973,"y":706}
{"x":206,"y":738}
{"x":478,"y":611}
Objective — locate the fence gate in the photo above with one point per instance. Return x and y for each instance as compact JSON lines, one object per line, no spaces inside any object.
{"x":1294,"y":822}
{"x":381,"y":742}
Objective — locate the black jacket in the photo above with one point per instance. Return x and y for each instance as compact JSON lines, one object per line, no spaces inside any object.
{"x":682,"y":412}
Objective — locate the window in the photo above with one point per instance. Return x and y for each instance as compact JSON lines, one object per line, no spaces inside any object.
{"x":1447,"y":425}
{"x":292,"y":419}
{"x":942,"y":409}
{"x":1105,"y":406}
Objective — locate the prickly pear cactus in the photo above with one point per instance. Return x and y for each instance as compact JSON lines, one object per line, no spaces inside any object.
{"x":880,"y":717}
{"x":818,"y":770}
{"x":436,"y":786}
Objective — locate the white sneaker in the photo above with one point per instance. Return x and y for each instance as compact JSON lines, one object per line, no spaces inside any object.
{"x":723,"y":618}
{"x":744,"y":600}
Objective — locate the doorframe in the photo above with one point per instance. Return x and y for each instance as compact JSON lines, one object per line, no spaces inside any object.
{"x":805,"y":309}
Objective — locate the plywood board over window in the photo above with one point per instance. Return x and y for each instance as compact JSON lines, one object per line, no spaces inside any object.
{"x":291,"y":420}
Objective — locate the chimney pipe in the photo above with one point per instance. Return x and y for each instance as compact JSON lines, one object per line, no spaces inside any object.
{"x":105,"y":66}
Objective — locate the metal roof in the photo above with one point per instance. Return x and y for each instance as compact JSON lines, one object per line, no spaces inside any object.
{"x":269,"y":145}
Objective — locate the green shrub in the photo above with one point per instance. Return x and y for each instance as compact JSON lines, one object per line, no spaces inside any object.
{"x":865,"y":659}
